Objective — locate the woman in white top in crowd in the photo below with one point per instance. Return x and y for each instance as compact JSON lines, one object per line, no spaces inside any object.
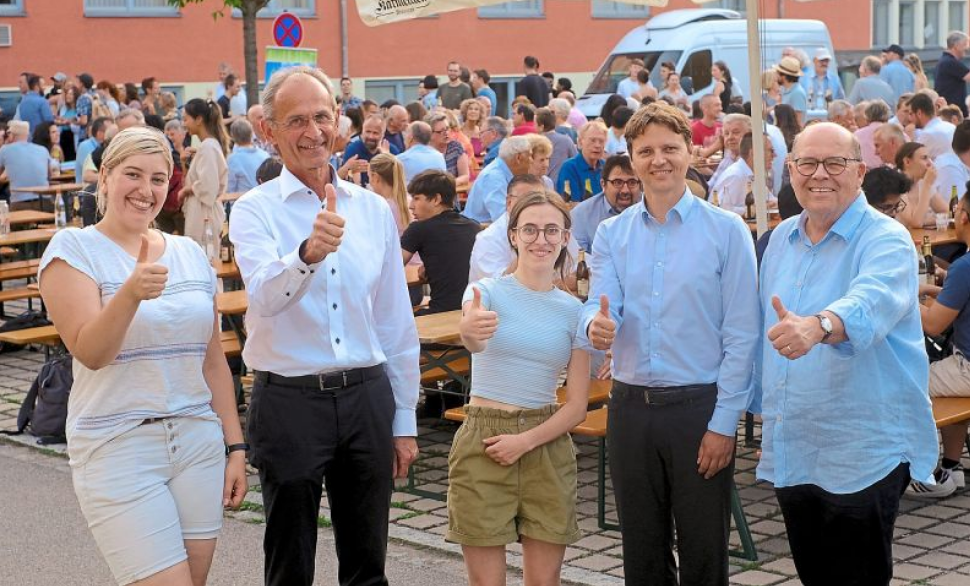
{"x":152,"y":414}
{"x":922,"y":201}
{"x":675,"y":92}
{"x":208,"y":173}
{"x":512,"y":466}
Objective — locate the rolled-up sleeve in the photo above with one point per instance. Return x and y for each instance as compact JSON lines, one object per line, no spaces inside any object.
{"x":273,"y":283}
{"x":879,"y":295}
{"x":397,"y":333}
{"x":740,"y":330}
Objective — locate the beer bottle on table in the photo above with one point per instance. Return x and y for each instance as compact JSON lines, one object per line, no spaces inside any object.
{"x":714,"y":200}
{"x":225,"y":248}
{"x":588,"y":193}
{"x":582,"y":277}
{"x":749,"y":206}
{"x":209,"y":242}
{"x":954,"y":200}
{"x":60,"y":212}
{"x":928,"y":261}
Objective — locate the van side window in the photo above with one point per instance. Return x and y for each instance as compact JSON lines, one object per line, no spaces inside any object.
{"x":698,"y":69}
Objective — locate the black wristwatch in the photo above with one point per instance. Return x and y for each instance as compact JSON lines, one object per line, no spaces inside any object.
{"x":236,"y":448}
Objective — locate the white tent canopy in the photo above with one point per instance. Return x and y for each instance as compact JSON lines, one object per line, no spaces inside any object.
{"x":378,"y":12}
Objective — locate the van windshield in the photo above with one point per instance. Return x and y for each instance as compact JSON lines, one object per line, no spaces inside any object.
{"x":618,"y":66}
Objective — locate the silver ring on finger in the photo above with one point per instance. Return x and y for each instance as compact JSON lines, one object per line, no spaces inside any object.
{"x":788,"y":348}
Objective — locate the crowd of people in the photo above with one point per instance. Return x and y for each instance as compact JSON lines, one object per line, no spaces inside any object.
{"x":827,"y":343}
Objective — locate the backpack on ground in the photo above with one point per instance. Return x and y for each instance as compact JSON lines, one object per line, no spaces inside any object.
{"x":24,"y":321}
{"x":44,"y":409}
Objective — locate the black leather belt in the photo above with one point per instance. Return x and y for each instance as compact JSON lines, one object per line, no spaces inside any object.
{"x":665,"y":395}
{"x":325,"y":382}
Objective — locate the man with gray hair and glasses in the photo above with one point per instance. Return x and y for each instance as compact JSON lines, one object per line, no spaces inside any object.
{"x":841,"y":379}
{"x":492,"y":134}
{"x":332,"y":342}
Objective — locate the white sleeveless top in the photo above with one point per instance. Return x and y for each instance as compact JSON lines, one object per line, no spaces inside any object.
{"x":158,"y":372}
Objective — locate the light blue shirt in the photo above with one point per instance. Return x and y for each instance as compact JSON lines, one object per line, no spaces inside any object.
{"x":419,"y":158}
{"x":684,"y":296}
{"x":486,"y":200}
{"x":27,"y":165}
{"x":243,"y":162}
{"x":796,"y":98}
{"x":844,"y":416}
{"x":817,"y":88}
{"x":522,"y":362}
{"x":492,"y":98}
{"x":587,"y":216}
{"x":898,"y":77}
{"x":84,"y":149}
{"x":35,"y":110}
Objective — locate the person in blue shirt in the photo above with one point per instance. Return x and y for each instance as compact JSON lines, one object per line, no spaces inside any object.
{"x":359,"y":152}
{"x":821,"y":83}
{"x":841,"y":381}
{"x":33,"y":108}
{"x":420,"y":156}
{"x":492,"y":134}
{"x":950,"y":377}
{"x":245,"y":158}
{"x":895,"y":73}
{"x":99,"y":129}
{"x":792,"y":93}
{"x":620,"y":189}
{"x":674,"y":294}
{"x":579,"y":177}
{"x":486,"y":200}
{"x":479,"y":80}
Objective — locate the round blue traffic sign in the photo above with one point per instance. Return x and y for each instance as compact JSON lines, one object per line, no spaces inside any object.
{"x":287,"y":30}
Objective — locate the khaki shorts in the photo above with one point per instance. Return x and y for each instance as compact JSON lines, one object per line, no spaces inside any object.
{"x":490,"y":504}
{"x":950,"y":377}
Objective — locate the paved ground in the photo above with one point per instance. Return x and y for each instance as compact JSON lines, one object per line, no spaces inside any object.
{"x":931,"y":548}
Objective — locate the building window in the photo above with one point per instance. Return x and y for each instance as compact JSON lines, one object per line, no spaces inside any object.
{"x":518,"y":9}
{"x":916,"y":24}
{"x":610,"y":9}
{"x":11,"y":7}
{"x":129,"y":8}
{"x":736,"y":5}
{"x":381,"y":90}
{"x":277,"y":7}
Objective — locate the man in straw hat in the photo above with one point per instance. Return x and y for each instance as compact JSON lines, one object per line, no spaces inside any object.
{"x":792,"y":93}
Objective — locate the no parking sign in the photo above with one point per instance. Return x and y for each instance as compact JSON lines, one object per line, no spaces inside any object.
{"x":287,"y":30}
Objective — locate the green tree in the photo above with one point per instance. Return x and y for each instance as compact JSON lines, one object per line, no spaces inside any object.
{"x":248,"y":8}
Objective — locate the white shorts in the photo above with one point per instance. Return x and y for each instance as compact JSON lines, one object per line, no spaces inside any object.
{"x":950,"y":377}
{"x":147,"y":490}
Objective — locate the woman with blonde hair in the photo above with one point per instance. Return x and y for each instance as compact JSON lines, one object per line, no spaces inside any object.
{"x":153,"y":433}
{"x":208,"y":174}
{"x":472,"y":116}
{"x":540,"y":149}
{"x":771,"y":90}
{"x":512,"y":466}
{"x":387,"y":180}
{"x":915,"y":66}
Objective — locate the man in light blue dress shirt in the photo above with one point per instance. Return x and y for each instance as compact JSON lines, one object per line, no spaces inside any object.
{"x":895,"y":73}
{"x":245,"y":158}
{"x":486,"y":200}
{"x":621,"y":189}
{"x":419,"y":156}
{"x":843,"y":369}
{"x":674,"y":282}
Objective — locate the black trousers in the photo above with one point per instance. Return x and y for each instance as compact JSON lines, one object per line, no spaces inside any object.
{"x":653,"y":463}
{"x":302,"y":438}
{"x":844,"y":539}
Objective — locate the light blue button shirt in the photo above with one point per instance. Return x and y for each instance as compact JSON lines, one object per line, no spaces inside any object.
{"x":898,"y":77}
{"x":587,"y":216}
{"x":684,"y":296}
{"x":486,"y":200}
{"x":243,"y":162}
{"x":844,"y":416}
{"x":420,"y":158}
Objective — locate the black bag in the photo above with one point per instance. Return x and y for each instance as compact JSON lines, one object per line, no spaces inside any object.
{"x":44,"y":409}
{"x":26,"y":320}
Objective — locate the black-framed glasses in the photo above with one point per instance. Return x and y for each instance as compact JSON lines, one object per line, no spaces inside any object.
{"x":295,"y":123}
{"x":530,"y":232}
{"x":892,"y":210}
{"x":619,"y":183}
{"x":833,"y":165}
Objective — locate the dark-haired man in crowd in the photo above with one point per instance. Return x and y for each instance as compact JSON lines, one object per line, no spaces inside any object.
{"x":621,"y":189}
{"x":933,"y":132}
{"x":953,"y":166}
{"x":562,"y":147}
{"x":479,"y":82}
{"x":443,"y":237}
{"x":532,"y":85}
{"x":33,"y":108}
{"x":523,"y":120}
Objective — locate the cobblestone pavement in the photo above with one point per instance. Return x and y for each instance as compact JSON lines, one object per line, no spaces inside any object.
{"x":931,"y":547}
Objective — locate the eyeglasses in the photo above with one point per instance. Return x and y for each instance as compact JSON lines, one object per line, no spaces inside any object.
{"x":892,"y":210}
{"x":442,"y":131}
{"x":530,"y":232}
{"x":833,"y":165}
{"x":298,"y":123}
{"x":630,"y":183}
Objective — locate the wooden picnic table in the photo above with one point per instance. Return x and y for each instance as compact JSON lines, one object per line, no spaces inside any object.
{"x":937,"y":237}
{"x":232,"y":302}
{"x":53,"y":189}
{"x":30,"y":217}
{"x":226,"y":270}
{"x":19,"y":237}
{"x":63,"y":177}
{"x":773,"y":221}
{"x":439,"y":328}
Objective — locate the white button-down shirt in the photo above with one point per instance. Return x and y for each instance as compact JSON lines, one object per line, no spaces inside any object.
{"x":734,"y":186}
{"x":349,"y":311}
{"x":937,"y":136}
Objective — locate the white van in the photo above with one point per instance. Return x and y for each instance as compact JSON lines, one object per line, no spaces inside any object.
{"x":693,"y":40}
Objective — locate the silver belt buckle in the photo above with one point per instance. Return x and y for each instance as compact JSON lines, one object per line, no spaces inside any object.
{"x":646,"y":396}
{"x":322,"y":377}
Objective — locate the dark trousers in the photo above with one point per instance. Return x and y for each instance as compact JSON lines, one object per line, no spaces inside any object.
{"x":844,"y":539}
{"x":653,"y":463}
{"x":304,"y":437}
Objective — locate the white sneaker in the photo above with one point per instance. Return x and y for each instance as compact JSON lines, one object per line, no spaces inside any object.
{"x":957,"y":474}
{"x":945,"y":486}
